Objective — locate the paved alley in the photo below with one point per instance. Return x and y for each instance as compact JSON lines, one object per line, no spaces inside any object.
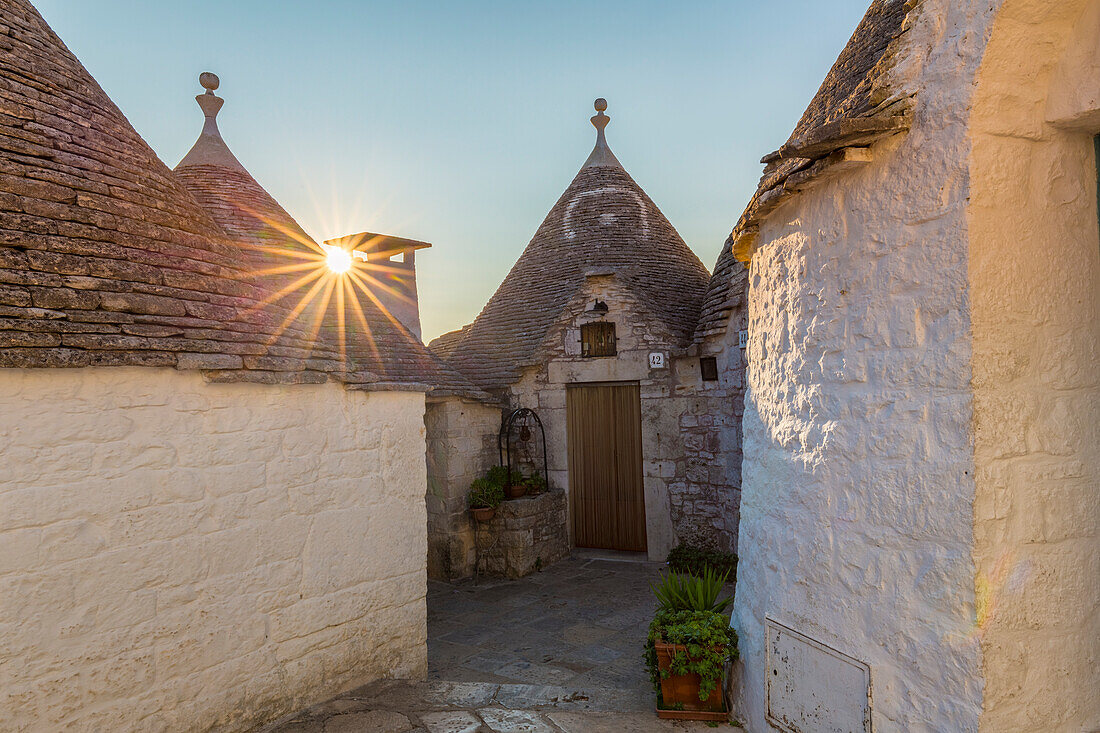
{"x":559,"y":651}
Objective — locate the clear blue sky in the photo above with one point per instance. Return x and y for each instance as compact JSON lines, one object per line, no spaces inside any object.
{"x":461,"y":122}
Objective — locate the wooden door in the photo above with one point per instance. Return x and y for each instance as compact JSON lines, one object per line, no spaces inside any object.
{"x":604,"y":431}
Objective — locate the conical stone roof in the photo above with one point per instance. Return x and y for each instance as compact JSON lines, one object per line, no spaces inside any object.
{"x":603,"y":220}
{"x":372,"y":342}
{"x":105,"y":259}
{"x":229,"y":193}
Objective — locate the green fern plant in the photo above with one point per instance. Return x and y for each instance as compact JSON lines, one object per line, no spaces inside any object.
{"x":677,"y":592}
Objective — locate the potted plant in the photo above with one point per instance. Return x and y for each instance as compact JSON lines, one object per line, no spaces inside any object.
{"x":512,"y":484}
{"x":692,"y":560}
{"x":689,"y":643}
{"x":536,"y":483}
{"x":483,"y":499}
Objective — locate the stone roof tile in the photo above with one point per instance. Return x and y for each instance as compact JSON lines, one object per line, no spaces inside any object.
{"x":721,"y":296}
{"x":96,"y":236}
{"x":444,"y":345}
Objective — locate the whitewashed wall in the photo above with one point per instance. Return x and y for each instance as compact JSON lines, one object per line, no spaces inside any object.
{"x":1035,"y":282}
{"x":181,"y":555}
{"x":858,"y":478}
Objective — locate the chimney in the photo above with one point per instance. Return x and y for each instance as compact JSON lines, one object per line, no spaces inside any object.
{"x":391,"y":279}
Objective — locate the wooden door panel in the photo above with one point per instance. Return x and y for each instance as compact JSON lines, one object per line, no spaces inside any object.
{"x":604,"y":432}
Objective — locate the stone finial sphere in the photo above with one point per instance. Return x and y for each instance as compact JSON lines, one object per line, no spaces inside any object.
{"x":209,"y":80}
{"x":600,"y":105}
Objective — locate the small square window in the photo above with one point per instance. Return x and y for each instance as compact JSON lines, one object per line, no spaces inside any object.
{"x":708,"y":367}
{"x":598,"y":339}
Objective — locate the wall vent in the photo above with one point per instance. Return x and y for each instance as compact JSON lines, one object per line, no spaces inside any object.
{"x":812,"y":687}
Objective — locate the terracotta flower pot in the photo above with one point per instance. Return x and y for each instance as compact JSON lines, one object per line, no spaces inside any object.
{"x":682,"y":691}
{"x":483,"y":513}
{"x":515,"y":491}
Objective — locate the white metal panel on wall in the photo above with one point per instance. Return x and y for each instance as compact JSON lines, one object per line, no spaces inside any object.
{"x":813,"y":688}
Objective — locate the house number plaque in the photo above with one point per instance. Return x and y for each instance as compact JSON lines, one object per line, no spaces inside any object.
{"x":656,"y":360}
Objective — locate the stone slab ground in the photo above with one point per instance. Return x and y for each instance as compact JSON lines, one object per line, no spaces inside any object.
{"x":559,"y":651}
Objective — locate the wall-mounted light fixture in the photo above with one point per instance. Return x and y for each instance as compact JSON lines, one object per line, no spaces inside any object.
{"x":598,"y":308}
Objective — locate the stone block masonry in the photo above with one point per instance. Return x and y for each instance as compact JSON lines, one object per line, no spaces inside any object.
{"x":177,"y":555}
{"x":544,"y":387}
{"x":462,"y":445}
{"x":705,"y":493}
{"x":525,"y":535}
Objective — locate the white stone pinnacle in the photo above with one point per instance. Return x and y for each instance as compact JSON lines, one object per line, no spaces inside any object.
{"x":210,"y":148}
{"x":601,"y":154}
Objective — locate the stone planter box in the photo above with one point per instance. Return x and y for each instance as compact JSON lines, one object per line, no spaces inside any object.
{"x":526,"y":534}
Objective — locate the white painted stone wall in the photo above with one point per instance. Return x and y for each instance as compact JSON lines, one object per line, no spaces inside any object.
{"x":923,"y":428}
{"x":1035,"y":283}
{"x":858,"y":480}
{"x":176,"y":555}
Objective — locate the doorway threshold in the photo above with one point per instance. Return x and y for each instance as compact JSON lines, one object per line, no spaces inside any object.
{"x":589,"y":553}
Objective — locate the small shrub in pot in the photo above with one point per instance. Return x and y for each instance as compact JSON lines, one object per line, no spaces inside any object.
{"x":483,"y":499}
{"x":689,"y":643}
{"x":536,"y":483}
{"x":512,"y":485}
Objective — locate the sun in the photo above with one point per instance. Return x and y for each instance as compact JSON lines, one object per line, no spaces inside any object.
{"x":326,"y":272}
{"x":338,"y":260}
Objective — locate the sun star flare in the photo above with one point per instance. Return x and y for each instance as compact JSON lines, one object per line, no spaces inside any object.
{"x":337,"y":259}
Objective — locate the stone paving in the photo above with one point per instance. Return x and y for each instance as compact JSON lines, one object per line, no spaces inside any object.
{"x":559,"y":651}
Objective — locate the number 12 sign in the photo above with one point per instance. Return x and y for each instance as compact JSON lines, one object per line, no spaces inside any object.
{"x":656,"y":360}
